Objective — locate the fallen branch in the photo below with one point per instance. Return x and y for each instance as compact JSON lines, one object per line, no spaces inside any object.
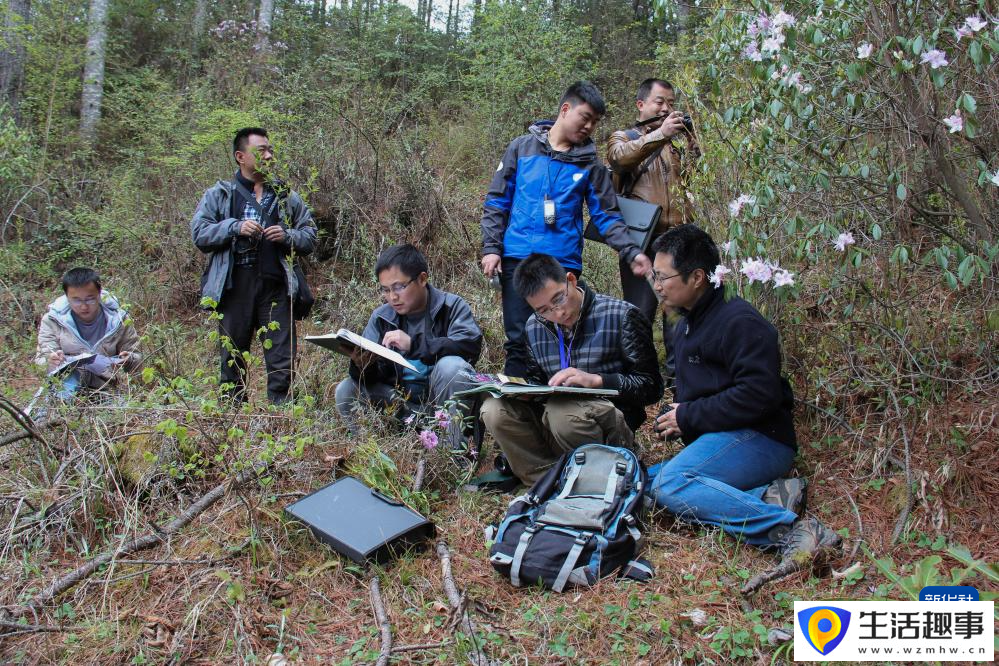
{"x":422,"y":646}
{"x":458,"y":605}
{"x":384,"y":628}
{"x":74,"y":577}
{"x":17,"y":628}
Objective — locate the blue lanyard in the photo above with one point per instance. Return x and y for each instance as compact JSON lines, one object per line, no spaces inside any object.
{"x":563,"y":353}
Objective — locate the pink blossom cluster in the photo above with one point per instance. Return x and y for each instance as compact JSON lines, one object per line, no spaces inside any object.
{"x":971,"y":25}
{"x":843,"y":240}
{"x":954,"y":123}
{"x":771,"y":30}
{"x":429,"y":439}
{"x":935,"y":58}
{"x":735,"y":205}
{"x":755,"y":270}
{"x":232,"y":29}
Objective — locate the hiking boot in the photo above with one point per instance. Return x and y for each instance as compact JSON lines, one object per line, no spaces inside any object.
{"x":788,"y":493}
{"x":808,"y":541}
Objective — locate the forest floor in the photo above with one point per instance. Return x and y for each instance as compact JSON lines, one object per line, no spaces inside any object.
{"x":242,"y":583}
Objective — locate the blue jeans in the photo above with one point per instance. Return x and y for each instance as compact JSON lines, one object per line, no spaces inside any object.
{"x":720,"y":478}
{"x":67,"y":387}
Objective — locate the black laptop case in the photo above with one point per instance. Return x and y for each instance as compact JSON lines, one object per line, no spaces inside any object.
{"x":361,"y":523}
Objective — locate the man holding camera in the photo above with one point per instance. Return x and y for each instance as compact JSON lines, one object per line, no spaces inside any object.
{"x":648,"y":165}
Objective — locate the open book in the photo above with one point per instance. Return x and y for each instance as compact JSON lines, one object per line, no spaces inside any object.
{"x":344,"y":342}
{"x":500,"y":385}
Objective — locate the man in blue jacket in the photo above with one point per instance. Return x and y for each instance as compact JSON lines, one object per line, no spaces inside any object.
{"x":249,"y":227}
{"x":535,"y":204}
{"x":732,"y":409}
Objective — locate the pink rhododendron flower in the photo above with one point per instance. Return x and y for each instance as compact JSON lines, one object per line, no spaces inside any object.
{"x":409,"y":419}
{"x":864,"y":51}
{"x":718,"y":276}
{"x":974,"y":23}
{"x":756,"y":270}
{"x":782,"y":19}
{"x":752,"y":52}
{"x":429,"y":439}
{"x":935,"y":58}
{"x":844,"y":239}
{"x":772,"y":44}
{"x":726,"y":247}
{"x":443,"y":418}
{"x":783,"y":278}
{"x":954,"y":123}
{"x":735,"y":206}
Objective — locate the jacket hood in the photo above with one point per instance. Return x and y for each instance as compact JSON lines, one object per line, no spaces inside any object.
{"x":584,"y":152}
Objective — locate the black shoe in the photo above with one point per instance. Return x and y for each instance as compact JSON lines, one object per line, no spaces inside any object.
{"x":808,"y":541}
{"x":788,"y":493}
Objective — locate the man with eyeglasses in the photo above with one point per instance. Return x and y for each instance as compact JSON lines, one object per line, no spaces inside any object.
{"x":732,"y":409}
{"x":86,"y":320}
{"x":249,"y":227}
{"x":535,"y":204}
{"x":576,"y":337}
{"x":649,"y":165}
{"x":433,"y":329}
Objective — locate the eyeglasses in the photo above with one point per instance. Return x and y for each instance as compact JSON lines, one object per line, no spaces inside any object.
{"x":661,"y":279}
{"x":558,"y":302}
{"x":79,"y":302}
{"x":396,"y":288}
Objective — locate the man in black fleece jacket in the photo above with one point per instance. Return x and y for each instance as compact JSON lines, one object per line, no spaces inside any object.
{"x":732,"y":408}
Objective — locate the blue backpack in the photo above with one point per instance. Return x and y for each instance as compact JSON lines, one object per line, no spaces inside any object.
{"x":578,"y":523}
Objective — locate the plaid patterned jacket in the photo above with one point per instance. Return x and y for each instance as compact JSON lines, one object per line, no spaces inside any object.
{"x":612,"y":339}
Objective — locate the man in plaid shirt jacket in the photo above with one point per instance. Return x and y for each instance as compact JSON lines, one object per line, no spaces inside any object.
{"x":576,"y":337}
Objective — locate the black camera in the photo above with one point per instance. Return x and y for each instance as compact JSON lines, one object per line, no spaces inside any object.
{"x":688,"y":123}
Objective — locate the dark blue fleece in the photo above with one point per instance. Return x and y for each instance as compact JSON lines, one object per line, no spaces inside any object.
{"x":728,"y":371}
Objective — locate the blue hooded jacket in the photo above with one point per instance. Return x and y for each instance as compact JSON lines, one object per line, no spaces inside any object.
{"x":513,"y":219}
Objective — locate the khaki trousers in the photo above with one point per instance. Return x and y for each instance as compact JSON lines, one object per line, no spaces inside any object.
{"x":533,"y":436}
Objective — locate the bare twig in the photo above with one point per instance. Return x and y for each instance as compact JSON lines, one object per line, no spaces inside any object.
{"x":34,"y":628}
{"x":381,"y":618}
{"x":910,"y":496}
{"x":458,"y":605}
{"x":74,"y":577}
{"x":421,"y":646}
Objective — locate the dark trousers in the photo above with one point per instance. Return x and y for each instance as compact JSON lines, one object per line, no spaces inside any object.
{"x":637,"y":291}
{"x":516,"y":312}
{"x":252,"y":303}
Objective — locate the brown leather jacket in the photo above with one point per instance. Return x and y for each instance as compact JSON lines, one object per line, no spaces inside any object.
{"x":664,"y":183}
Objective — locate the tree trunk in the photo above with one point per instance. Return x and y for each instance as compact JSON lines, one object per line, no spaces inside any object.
{"x":264,"y":20}
{"x":12,"y":54}
{"x":430,"y":12}
{"x":200,"y":18}
{"x":93,"y":69}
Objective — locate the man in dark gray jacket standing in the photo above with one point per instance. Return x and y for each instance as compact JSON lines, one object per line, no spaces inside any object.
{"x":252,"y":228}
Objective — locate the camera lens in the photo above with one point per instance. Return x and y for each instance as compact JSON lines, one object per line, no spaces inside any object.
{"x":688,"y":123}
